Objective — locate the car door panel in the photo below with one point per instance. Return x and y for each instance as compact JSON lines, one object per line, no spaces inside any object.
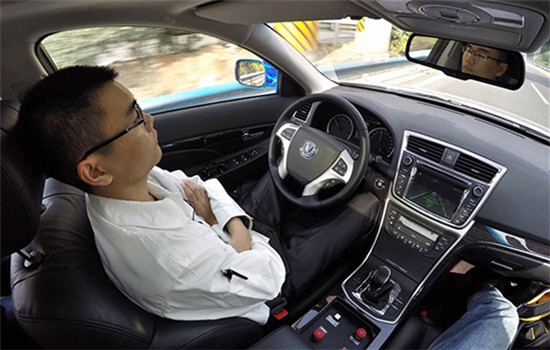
{"x":228,"y":140}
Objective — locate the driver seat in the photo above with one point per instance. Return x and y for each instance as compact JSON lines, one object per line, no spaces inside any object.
{"x":64,"y":299}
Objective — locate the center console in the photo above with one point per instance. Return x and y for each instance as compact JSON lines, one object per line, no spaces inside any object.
{"x":437,"y":191}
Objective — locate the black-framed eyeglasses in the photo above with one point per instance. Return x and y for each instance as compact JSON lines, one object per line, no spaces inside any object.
{"x":141,"y":120}
{"x":478,"y":55}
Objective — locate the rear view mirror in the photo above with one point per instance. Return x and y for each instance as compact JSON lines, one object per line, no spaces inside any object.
{"x":465,"y":60}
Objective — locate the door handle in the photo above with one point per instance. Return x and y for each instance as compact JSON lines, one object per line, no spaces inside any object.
{"x":247,"y":136}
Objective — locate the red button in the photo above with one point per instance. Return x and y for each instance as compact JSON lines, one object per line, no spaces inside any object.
{"x":318,"y":334}
{"x":360,"y":333}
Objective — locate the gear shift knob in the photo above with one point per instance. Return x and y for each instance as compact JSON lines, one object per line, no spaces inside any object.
{"x":379,"y":278}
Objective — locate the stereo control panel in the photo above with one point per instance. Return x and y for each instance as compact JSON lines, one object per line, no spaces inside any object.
{"x":425,"y":241}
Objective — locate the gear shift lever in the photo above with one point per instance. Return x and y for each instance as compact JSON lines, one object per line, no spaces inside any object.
{"x":378,"y":279}
{"x":377,"y":291}
{"x":376,"y":285}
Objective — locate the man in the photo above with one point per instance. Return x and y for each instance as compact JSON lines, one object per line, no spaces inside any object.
{"x":179,"y":247}
{"x":484,"y":62}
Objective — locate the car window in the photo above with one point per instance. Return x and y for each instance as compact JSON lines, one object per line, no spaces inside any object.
{"x":164,"y":68}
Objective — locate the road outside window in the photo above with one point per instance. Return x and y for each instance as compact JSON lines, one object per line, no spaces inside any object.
{"x":164,"y":68}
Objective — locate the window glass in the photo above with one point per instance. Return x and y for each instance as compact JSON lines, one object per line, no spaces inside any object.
{"x":164,"y":68}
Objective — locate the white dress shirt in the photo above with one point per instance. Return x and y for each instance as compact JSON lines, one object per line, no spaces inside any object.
{"x":169,"y":261}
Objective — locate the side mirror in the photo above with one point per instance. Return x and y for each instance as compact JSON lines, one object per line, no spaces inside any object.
{"x":465,"y":60}
{"x":255,"y":73}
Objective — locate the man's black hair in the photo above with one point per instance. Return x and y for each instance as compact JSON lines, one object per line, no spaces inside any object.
{"x":60,"y":119}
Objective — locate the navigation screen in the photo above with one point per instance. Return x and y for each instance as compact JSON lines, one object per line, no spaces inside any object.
{"x":436,"y":192}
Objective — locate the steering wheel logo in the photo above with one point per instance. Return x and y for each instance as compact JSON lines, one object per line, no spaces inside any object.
{"x":309,"y":149}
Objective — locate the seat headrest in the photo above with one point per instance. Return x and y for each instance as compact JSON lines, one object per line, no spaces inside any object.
{"x":21,"y":194}
{"x":8,"y":114}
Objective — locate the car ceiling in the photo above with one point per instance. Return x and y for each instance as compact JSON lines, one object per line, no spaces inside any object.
{"x":514,"y":24}
{"x":233,"y":20}
{"x":517,"y":25}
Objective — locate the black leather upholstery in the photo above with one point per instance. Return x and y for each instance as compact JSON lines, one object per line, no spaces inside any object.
{"x":282,"y":338}
{"x":21,"y":190}
{"x":69,"y":302}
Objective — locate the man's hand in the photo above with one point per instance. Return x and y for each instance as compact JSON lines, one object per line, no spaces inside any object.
{"x":240,"y":236}
{"x":198,"y":198}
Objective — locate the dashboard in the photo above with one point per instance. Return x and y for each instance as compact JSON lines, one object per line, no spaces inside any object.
{"x":494,"y":192}
{"x":519,"y":203}
{"x":333,"y":121}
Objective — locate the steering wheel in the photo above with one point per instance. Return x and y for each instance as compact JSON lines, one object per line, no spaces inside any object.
{"x":317,"y":160}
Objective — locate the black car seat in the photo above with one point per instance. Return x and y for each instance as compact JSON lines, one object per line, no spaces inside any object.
{"x":21,"y":197}
{"x":65,"y":299}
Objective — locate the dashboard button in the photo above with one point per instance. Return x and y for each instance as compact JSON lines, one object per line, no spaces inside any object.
{"x":380,"y":183}
{"x":360,"y":334}
{"x":318,"y":334}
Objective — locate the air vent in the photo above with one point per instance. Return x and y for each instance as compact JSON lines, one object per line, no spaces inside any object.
{"x":428,"y":149}
{"x":475,"y":168}
{"x":302,"y":112}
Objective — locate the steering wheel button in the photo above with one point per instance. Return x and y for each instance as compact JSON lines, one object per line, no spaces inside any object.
{"x":339,"y":170}
{"x":342,"y":164}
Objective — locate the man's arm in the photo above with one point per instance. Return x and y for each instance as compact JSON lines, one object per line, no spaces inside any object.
{"x":221,"y":204}
{"x":240,"y":236}
{"x":198,"y":198}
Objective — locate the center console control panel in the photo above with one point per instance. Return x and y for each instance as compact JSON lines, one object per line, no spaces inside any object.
{"x":338,"y":326}
{"x":409,"y":233}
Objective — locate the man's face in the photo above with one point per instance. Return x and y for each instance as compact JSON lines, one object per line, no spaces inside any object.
{"x":483,"y":62}
{"x":133,"y":155}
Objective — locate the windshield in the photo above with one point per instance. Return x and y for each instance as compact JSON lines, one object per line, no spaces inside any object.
{"x":371,"y":52}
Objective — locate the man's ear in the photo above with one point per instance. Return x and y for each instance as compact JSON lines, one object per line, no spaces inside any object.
{"x":92,"y":173}
{"x":502,"y":68}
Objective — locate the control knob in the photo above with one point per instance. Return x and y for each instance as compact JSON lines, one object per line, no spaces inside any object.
{"x":477,"y":191}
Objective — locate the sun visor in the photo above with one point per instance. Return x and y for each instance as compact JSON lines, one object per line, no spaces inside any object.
{"x":269,"y":11}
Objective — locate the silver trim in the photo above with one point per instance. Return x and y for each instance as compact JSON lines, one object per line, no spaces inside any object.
{"x":309,"y":114}
{"x":384,"y":129}
{"x":460,"y":232}
{"x":501,"y":170}
{"x":529,"y":253}
{"x":349,"y":120}
{"x":282,"y":169}
{"x":317,"y":184}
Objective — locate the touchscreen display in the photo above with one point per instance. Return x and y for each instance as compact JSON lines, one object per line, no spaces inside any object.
{"x":436,"y":192}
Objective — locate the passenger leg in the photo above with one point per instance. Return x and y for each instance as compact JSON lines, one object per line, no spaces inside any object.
{"x":491,"y":322}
